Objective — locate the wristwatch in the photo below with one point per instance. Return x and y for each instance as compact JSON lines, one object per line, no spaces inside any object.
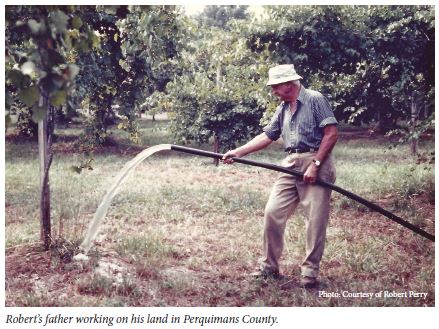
{"x":316,"y":162}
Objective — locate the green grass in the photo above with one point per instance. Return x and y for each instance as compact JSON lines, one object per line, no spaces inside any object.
{"x":187,"y":232}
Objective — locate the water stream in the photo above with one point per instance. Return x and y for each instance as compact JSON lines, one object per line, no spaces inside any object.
{"x":100,"y":213}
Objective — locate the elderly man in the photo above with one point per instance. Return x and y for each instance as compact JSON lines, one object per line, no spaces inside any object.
{"x":307,"y":125}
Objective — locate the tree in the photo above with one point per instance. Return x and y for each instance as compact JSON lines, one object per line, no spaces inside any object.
{"x":48,"y":47}
{"x":150,"y":39}
{"x":135,"y":59}
{"x":101,"y":74}
{"x":39,"y":74}
{"x":398,"y":63}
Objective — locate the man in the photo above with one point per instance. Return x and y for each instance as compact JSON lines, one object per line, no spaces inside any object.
{"x":307,"y":125}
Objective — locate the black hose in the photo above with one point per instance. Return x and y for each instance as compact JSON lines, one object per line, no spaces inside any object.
{"x":296,"y":173}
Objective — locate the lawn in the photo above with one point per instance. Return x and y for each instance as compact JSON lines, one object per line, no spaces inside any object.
{"x":183,"y":232}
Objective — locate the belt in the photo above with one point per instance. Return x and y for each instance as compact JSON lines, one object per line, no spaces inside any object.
{"x":290,"y":150}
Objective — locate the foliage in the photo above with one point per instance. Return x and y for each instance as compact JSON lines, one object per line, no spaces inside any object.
{"x":134,"y":60}
{"x":370,"y":63}
{"x":150,"y":37}
{"x":100,"y":75}
{"x":219,"y":93}
{"x":119,"y":55}
{"x":38,"y":43}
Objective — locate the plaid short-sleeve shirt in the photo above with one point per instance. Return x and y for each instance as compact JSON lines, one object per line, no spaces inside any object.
{"x":304,"y":128}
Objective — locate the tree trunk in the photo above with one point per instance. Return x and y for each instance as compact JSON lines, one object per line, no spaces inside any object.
{"x":45,"y":161}
{"x":215,"y":137}
{"x":414,"y":119}
{"x":216,"y":145}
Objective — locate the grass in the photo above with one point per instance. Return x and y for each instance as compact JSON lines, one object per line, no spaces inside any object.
{"x":182,"y":232}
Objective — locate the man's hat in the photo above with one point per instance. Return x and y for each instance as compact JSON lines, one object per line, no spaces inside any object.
{"x":282,"y":73}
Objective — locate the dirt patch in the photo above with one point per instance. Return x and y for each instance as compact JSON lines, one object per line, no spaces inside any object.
{"x":32,"y":273}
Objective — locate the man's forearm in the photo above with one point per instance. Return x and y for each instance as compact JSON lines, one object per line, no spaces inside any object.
{"x":259,"y":142}
{"x":328,"y":142}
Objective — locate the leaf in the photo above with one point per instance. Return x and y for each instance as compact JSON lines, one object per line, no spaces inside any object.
{"x":34,"y":26}
{"x":95,"y":41}
{"x":111,"y":10}
{"x":28,"y":68}
{"x":76,"y":22}
{"x":59,"y":20}
{"x":15,"y":77}
{"x":58,"y":98}
{"x":73,"y":71}
{"x":29,"y":96}
{"x":38,"y":113}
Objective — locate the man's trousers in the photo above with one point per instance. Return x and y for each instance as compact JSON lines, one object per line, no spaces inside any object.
{"x":287,"y":193}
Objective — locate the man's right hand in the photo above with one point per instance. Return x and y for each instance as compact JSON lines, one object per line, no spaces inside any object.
{"x":256,"y":144}
{"x":227,"y":158}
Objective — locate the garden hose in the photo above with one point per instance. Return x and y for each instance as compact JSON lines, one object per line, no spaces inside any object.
{"x":333,"y":187}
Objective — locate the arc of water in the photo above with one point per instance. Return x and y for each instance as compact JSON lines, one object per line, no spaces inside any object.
{"x":100,"y":213}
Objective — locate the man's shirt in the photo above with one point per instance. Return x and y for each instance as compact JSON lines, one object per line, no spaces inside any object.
{"x":302,"y":129}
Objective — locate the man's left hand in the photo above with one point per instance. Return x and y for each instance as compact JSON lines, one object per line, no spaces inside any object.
{"x":310,"y":175}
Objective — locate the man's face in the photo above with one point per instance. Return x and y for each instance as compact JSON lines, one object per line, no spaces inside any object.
{"x":283,"y":90}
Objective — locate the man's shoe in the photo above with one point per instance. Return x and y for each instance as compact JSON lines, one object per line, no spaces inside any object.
{"x":266,"y":274}
{"x":308,"y":282}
